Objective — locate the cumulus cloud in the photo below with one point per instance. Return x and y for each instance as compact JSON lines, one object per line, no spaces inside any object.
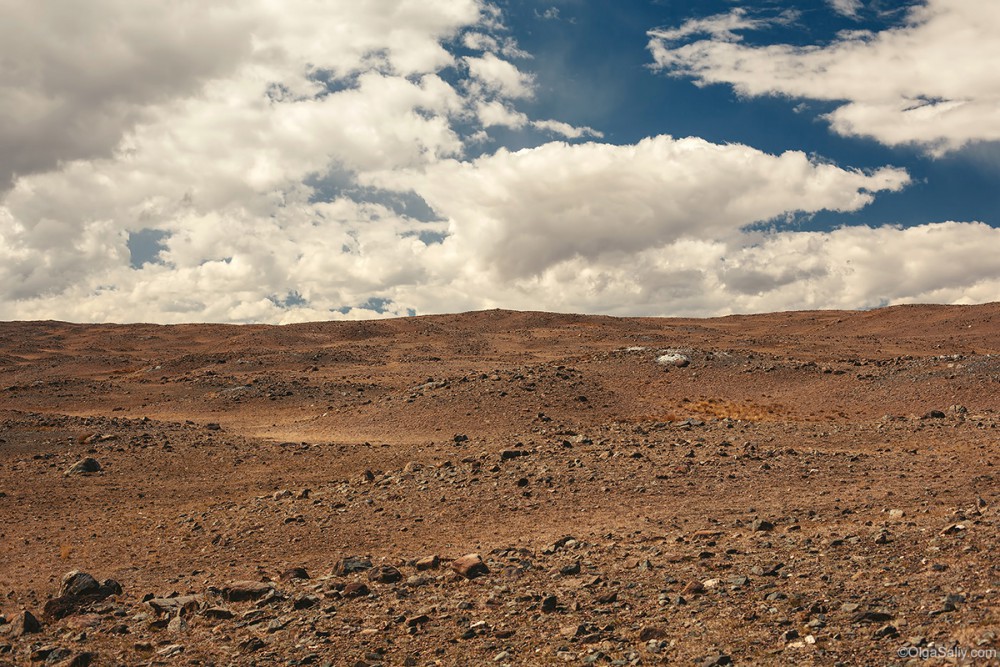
{"x":519,"y":213}
{"x":928,"y":82}
{"x":308,"y":160}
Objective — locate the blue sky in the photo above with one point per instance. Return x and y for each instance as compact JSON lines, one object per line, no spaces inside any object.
{"x":327,"y":159}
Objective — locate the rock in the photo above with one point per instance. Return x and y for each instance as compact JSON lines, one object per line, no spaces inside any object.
{"x":76,"y":583}
{"x":352,"y":564}
{"x":170,"y":650}
{"x":760,"y":526}
{"x":84,"y":467}
{"x":896,"y":514}
{"x":693,"y":588}
{"x":385,"y":574}
{"x":652,"y":632}
{"x":872,"y":617}
{"x":934,"y":414}
{"x":212,"y":426}
{"x":242,"y":591}
{"x":177,"y":624}
{"x":174,"y":606}
{"x":719,"y":660}
{"x":675,"y":359}
{"x":419,"y":619}
{"x":217,"y":614}
{"x":508,"y":454}
{"x":790,"y":635}
{"x":84,"y":659}
{"x":427,"y":563}
{"x":293,"y":574}
{"x":24,"y":623}
{"x":459,"y":438}
{"x":355,"y":589}
{"x":470,"y":566}
{"x":887,"y":631}
{"x":570,"y":570}
{"x":549,"y":604}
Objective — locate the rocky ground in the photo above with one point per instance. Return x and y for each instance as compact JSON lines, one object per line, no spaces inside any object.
{"x":502,"y":488}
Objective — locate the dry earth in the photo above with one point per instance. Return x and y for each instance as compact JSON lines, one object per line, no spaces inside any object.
{"x":811,"y":488}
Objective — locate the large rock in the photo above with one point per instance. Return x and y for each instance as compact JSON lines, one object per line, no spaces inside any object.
{"x":84,"y":467}
{"x":77,"y":591}
{"x":351,"y":564}
{"x":470,"y":566}
{"x":175,"y":606}
{"x":242,"y":591}
{"x":24,"y":623}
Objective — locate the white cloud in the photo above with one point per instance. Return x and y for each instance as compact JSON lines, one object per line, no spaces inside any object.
{"x":929,"y":82}
{"x":285,"y":152}
{"x":499,"y":76}
{"x":846,"y":7}
{"x":520,"y":213}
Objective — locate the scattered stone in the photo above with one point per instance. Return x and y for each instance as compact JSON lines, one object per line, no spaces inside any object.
{"x":470,"y":566}
{"x":352,"y":564}
{"x":243,"y":591}
{"x":385,"y":574}
{"x":176,"y":605}
{"x":85,"y":466}
{"x":649,"y":632}
{"x":293,"y":574}
{"x":24,"y":623}
{"x":761,"y":525}
{"x":427,"y":563}
{"x":355,"y":589}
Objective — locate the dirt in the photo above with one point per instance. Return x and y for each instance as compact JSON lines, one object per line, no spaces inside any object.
{"x":793,"y":488}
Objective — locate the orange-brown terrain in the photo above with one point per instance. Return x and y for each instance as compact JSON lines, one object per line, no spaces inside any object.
{"x":795,"y":488}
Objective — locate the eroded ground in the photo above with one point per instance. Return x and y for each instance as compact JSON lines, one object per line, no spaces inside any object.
{"x":811,"y":488}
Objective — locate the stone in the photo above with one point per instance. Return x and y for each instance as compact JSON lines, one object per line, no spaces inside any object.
{"x":76,"y":583}
{"x":761,"y":525}
{"x":217,"y":614}
{"x":935,"y":414}
{"x":427,"y":563}
{"x":352,"y":564}
{"x":24,"y":623}
{"x":693,"y":588}
{"x":85,"y":466}
{"x":549,"y":604}
{"x":649,"y":632}
{"x":508,"y":454}
{"x":243,"y":591}
{"x":719,"y":660}
{"x":174,"y":606}
{"x":385,"y":574}
{"x":470,"y":566}
{"x":355,"y":589}
{"x":293,"y":574}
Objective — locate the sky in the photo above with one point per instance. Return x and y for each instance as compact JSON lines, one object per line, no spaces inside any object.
{"x":310,"y":160}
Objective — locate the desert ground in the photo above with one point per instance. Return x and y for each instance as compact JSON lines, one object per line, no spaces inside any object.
{"x":504,"y":488}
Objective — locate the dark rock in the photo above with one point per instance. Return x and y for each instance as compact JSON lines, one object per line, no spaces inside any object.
{"x":293,"y":573}
{"x":76,"y":583}
{"x":652,"y":632}
{"x":470,"y":566}
{"x":355,"y":589}
{"x":174,"y":606}
{"x":570,"y":570}
{"x":352,"y":564}
{"x":719,"y":660}
{"x":24,"y":623}
{"x":217,"y":614}
{"x":212,"y":426}
{"x":84,"y":467}
{"x":420,"y":619}
{"x":872,"y":617}
{"x":385,"y":574}
{"x":935,"y":414}
{"x":760,"y":525}
{"x":242,"y":591}
{"x":549,"y":604}
{"x":508,"y":454}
